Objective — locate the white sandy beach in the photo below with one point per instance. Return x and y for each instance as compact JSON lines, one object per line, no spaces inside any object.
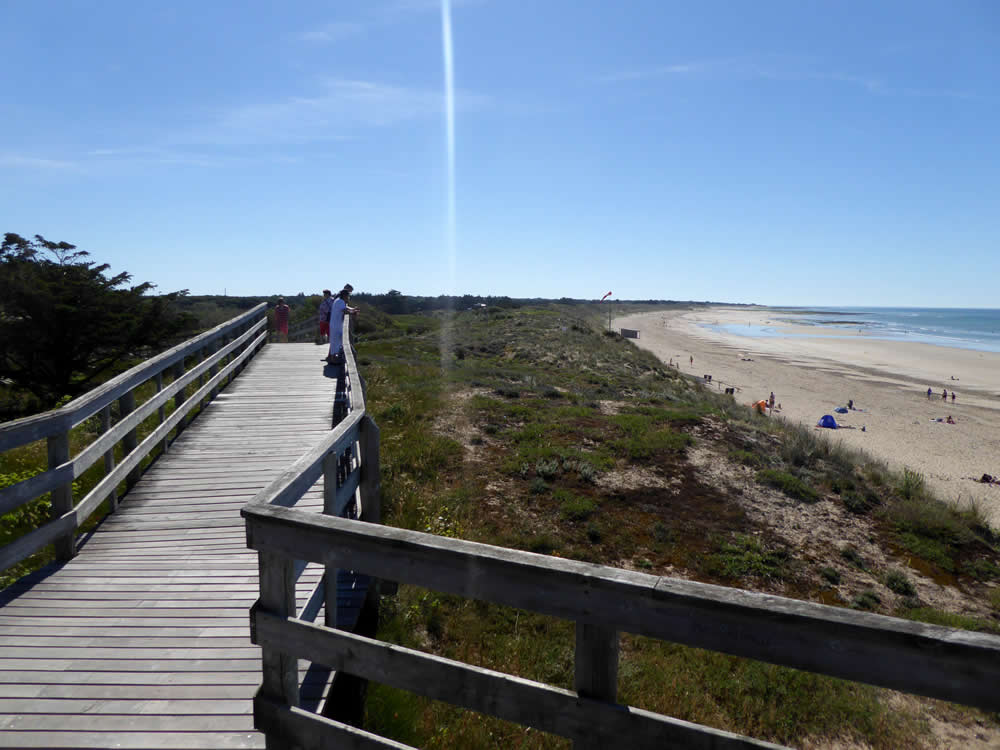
{"x":811,"y":372}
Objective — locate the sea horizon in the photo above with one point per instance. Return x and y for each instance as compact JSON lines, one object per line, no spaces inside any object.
{"x":953,"y":327}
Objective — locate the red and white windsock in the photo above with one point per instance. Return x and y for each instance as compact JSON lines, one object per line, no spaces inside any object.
{"x":605,"y":296}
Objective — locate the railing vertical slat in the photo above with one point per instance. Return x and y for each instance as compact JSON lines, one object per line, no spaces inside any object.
{"x":596,"y":673}
{"x":277,"y":596}
{"x":62,"y":496}
{"x":330,"y":508}
{"x":162,"y":412}
{"x":180,"y":397}
{"x":126,"y":405}
{"x":109,"y":457}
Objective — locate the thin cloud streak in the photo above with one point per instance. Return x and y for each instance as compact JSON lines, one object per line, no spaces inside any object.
{"x":331,"y":32}
{"x":20,"y":161}
{"x":744,"y":69}
{"x":340,"y":108}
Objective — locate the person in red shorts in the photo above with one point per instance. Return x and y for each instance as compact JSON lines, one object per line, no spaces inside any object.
{"x":281,"y":312}
{"x":324,"y":316}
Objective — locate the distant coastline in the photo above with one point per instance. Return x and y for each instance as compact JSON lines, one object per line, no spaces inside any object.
{"x":813,"y":367}
{"x":976,"y":329}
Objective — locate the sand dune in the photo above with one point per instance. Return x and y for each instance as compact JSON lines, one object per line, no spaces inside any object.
{"x":811,"y":372}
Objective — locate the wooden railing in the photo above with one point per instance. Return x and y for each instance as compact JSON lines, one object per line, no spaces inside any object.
{"x":929,"y":660}
{"x":215,"y":357}
{"x":302,"y":330}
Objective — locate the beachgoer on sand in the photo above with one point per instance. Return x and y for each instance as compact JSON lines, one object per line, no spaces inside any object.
{"x":929,"y":394}
{"x":949,"y":420}
{"x":944,"y":394}
{"x":770,"y":401}
{"x":953,"y":397}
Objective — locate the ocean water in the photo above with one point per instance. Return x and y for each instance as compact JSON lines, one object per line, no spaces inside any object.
{"x":954,"y":327}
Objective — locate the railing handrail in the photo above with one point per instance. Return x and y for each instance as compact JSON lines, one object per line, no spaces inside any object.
{"x":67,"y":516}
{"x":29,"y":429}
{"x":291,"y":484}
{"x":863,"y":646}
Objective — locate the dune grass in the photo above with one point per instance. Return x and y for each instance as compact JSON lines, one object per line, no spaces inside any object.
{"x":542,"y":417}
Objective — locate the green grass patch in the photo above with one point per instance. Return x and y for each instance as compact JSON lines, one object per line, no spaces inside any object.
{"x":867,"y":600}
{"x":762,"y":700}
{"x":788,"y":483}
{"x":830,"y":575}
{"x":745,"y":557}
{"x":897,"y":582}
{"x":949,"y":619}
{"x":747,"y":458}
{"x":573,"y":507}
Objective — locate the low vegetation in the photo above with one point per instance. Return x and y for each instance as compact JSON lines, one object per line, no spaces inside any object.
{"x":533,"y":429}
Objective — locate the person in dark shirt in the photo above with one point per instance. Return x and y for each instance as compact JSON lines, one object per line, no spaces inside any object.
{"x":281,"y":313}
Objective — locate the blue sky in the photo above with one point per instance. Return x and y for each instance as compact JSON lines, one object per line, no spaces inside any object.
{"x":840,"y":153}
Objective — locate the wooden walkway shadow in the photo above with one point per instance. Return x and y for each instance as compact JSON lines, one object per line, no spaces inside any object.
{"x":142,"y":640}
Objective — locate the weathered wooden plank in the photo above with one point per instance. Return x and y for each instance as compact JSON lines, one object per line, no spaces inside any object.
{"x":925,"y":659}
{"x":130,"y":692}
{"x":128,"y":723}
{"x":159,"y":707}
{"x":135,"y":740}
{"x":139,"y":665}
{"x":248,"y":678}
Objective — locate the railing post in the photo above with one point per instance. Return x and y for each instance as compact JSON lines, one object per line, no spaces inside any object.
{"x":162,"y":412}
{"x":277,"y":597}
{"x":109,"y":457}
{"x":62,"y":496}
{"x":596,"y":674}
{"x":180,"y":397}
{"x":126,"y":405}
{"x":214,"y":369}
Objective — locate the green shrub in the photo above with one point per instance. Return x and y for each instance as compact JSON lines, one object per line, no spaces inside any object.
{"x":851,"y":554}
{"x":574,"y":508}
{"x":547,"y":469}
{"x":787,"y":483}
{"x":911,"y":485}
{"x":543,"y":544}
{"x":994,"y":599}
{"x":539,"y":486}
{"x":897,"y":582}
{"x":860,"y":504}
{"x":867,"y":599}
{"x":830,"y":575}
{"x":663,"y":533}
{"x":745,"y":556}
{"x":747,"y":458}
{"x":594,"y":533}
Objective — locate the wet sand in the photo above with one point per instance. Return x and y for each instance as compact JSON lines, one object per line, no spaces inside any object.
{"x":813,"y":371}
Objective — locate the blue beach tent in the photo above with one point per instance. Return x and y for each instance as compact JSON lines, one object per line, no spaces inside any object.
{"x":827,"y":420}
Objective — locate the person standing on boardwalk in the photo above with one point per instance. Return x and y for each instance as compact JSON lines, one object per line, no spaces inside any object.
{"x":337,"y":310}
{"x":324,"y":316}
{"x":281,"y":312}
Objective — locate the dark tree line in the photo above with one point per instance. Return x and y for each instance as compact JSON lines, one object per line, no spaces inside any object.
{"x":66,"y":323}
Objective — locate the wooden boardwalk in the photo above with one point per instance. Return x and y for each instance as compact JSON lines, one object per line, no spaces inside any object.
{"x":142,"y":640}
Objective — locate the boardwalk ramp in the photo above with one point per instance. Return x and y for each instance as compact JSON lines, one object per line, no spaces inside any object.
{"x":142,"y":639}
